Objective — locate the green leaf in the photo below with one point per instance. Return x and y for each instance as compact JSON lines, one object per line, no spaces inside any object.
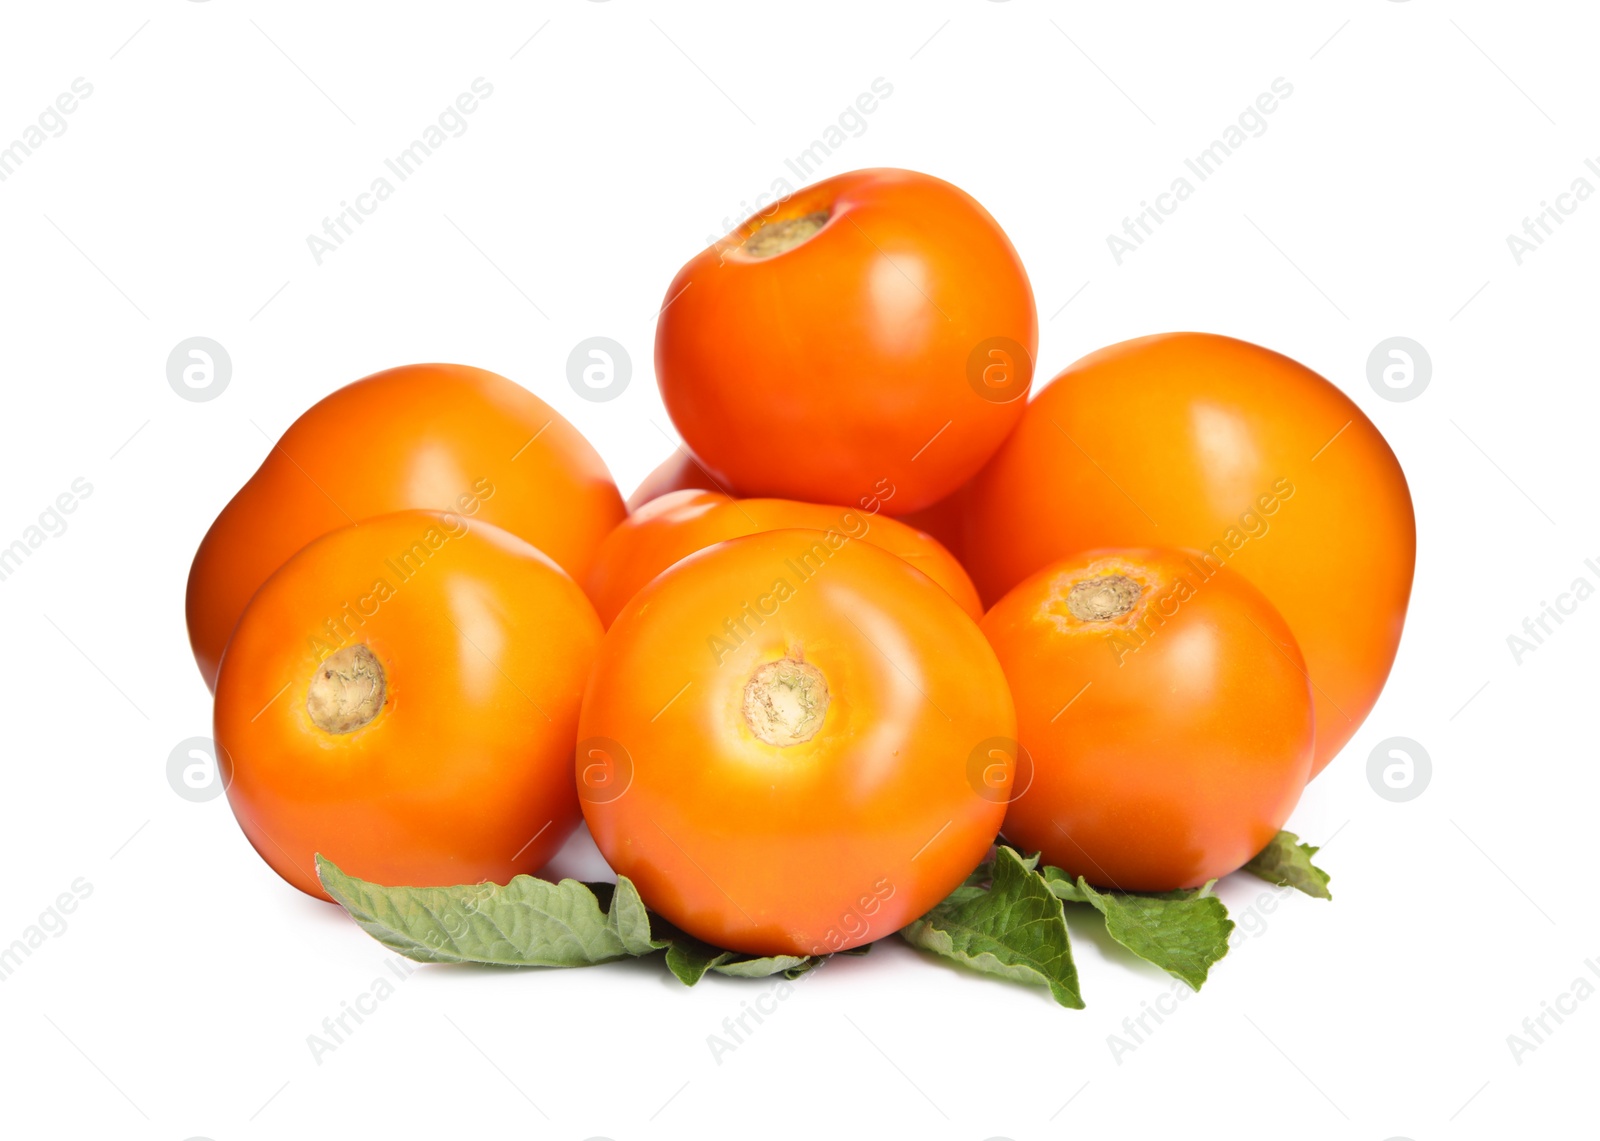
{"x":1061,"y":885}
{"x":532,"y":922}
{"x":985,"y":871}
{"x":806,"y":966}
{"x":762,"y":968}
{"x":528,"y":922}
{"x":1015,"y":929}
{"x":1182,"y":932}
{"x":690,"y":959}
{"x":1287,"y":863}
{"x":630,"y":921}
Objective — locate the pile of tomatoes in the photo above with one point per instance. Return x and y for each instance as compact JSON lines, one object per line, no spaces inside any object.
{"x":881,"y":608}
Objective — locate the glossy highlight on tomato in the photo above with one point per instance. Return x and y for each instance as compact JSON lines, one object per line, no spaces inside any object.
{"x":432,"y":436}
{"x":680,"y":523}
{"x":402,"y":697}
{"x":783,"y":743}
{"x":1206,"y":442}
{"x":1165,"y":712}
{"x":875,"y":330}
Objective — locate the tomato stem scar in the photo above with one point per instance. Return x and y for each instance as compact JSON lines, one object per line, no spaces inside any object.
{"x":347,"y":690}
{"x":777,"y":237}
{"x":785,"y":701}
{"x":1103,"y":598}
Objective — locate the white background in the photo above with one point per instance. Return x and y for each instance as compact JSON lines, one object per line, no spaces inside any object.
{"x":619,"y":138}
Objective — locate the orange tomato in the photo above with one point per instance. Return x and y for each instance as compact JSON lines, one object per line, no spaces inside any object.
{"x":872,"y":335}
{"x":1165,"y":709}
{"x":682,"y":522}
{"x":435,"y":436}
{"x":778,"y":742}
{"x":944,"y":520}
{"x":1194,"y":440}
{"x":402,"y":696}
{"x":678,"y":471}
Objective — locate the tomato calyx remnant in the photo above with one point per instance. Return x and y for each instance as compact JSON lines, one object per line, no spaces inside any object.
{"x":347,"y":691}
{"x":777,"y":237}
{"x":785,"y":702}
{"x":1103,"y":598}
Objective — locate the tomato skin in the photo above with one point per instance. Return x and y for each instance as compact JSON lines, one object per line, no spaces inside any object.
{"x":677,"y":524}
{"x":806,"y":847}
{"x":432,"y":436}
{"x":681,"y":471}
{"x":1200,"y":441}
{"x":1168,"y":744}
{"x":945,"y":521}
{"x":465,"y":774}
{"x":845,"y":364}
